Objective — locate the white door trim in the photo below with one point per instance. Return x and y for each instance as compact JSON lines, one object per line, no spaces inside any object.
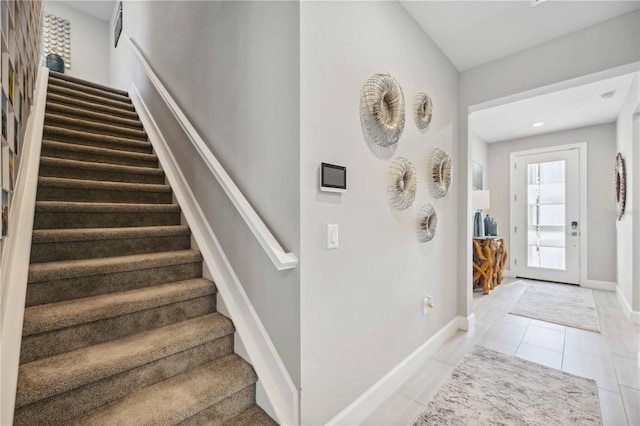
{"x":582,"y":178}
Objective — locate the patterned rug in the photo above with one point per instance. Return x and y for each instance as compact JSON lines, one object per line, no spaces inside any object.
{"x":489,"y":388}
{"x":560,"y":304}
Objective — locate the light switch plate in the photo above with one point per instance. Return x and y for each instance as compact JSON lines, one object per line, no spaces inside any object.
{"x":332,"y":236}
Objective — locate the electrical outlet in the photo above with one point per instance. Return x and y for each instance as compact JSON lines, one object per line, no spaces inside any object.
{"x":427,"y":304}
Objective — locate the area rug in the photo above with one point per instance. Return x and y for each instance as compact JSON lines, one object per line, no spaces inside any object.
{"x":560,"y":304}
{"x":490,"y":388}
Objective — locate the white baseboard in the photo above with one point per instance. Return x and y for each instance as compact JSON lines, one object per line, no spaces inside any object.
{"x":632,"y":316}
{"x":467,"y":323}
{"x":599,"y":285}
{"x":360,"y":409}
{"x":278,"y":386}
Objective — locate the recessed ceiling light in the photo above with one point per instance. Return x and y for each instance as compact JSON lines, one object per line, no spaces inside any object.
{"x":608,"y":95}
{"x":538,"y":124}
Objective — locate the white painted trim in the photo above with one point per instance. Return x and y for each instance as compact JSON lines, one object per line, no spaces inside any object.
{"x":599,"y":285}
{"x":360,"y":409}
{"x":467,"y":323}
{"x":17,"y":250}
{"x":281,"y":259}
{"x":631,"y":315}
{"x":582,"y":172}
{"x":279,"y":387}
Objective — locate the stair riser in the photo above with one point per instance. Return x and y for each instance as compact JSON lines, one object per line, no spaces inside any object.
{"x":101,"y":175}
{"x":86,"y":89}
{"x":60,"y":408}
{"x":98,"y":141}
{"x":52,"y":193}
{"x":88,"y":97}
{"x":49,"y":151}
{"x":224,"y":409}
{"x":85,"y":114}
{"x":96,"y":127}
{"x":84,"y":83}
{"x":91,"y":106}
{"x":75,"y":220}
{"x":58,"y":341}
{"x":94,"y":285}
{"x":75,"y":250}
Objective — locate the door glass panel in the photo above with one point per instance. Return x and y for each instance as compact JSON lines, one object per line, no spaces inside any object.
{"x":546,"y":233}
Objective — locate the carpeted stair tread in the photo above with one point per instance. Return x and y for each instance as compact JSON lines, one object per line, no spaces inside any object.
{"x":53,"y":81}
{"x":96,"y":139}
{"x":41,"y":272}
{"x":82,"y":95}
{"x":61,"y":373}
{"x":95,"y":117}
{"x":92,"y":106}
{"x":70,"y":206}
{"x":95,"y":184}
{"x":87,"y":234}
{"x":92,"y":126}
{"x":178,"y":398}
{"x":254,"y":416}
{"x":95,"y":154}
{"x":67,"y":77}
{"x":54,"y":316}
{"x":90,"y":165}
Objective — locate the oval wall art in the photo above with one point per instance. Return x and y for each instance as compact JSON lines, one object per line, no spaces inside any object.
{"x":441,"y":173}
{"x":402,"y":183}
{"x":427,"y":223}
{"x":621,"y":187}
{"x":422,"y":110}
{"x":382,"y":110}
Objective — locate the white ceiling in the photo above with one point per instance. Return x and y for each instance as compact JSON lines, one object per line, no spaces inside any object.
{"x":100,"y":9}
{"x":565,"y":109}
{"x":471,"y":33}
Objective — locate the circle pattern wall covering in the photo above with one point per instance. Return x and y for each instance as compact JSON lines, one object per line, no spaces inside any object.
{"x":422,"y":110}
{"x":441,"y":173}
{"x":621,"y":187}
{"x":56,"y":37}
{"x":402,"y":183}
{"x":382,"y":110}
{"x":427,"y":223}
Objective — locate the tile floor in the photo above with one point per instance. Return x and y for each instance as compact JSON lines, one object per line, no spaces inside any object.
{"x":611,"y":358}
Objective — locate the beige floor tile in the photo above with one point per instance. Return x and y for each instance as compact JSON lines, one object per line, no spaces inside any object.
{"x":543,"y":337}
{"x":587,"y":342}
{"x":498,"y":346}
{"x":631,"y":401}
{"x":397,"y":410}
{"x":506,"y":333}
{"x":557,"y":327}
{"x":427,"y":381}
{"x":611,"y":408}
{"x":590,"y":366}
{"x":540,"y":355}
{"x":627,"y":371}
{"x":516,"y":320}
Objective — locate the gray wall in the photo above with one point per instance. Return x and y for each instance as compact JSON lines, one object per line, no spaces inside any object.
{"x":601,"y":222}
{"x":598,"y":48}
{"x":89,"y":42}
{"x":361,"y":304}
{"x":233,"y":67}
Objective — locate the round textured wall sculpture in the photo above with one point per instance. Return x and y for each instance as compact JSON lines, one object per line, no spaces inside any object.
{"x":382,"y":110}
{"x":621,"y":188}
{"x":441,"y":173}
{"x":422,"y":110}
{"x":427,"y":223}
{"x":402,"y":183}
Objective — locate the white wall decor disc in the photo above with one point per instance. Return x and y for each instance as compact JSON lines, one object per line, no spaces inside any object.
{"x":441,"y":171}
{"x":621,"y":188}
{"x":426,"y":223}
{"x":402,"y":183}
{"x":382,"y":110}
{"x":422,"y":110}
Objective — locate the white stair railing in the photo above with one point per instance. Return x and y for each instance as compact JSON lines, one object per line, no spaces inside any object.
{"x":17,"y":250}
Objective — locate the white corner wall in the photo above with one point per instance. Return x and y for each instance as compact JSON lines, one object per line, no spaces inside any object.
{"x":628,"y":282}
{"x":479,"y":154}
{"x":89,"y":43}
{"x":361,"y":304}
{"x":601,"y":221}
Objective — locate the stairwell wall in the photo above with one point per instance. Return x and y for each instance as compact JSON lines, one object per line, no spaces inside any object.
{"x":361,"y":303}
{"x":233,"y":68}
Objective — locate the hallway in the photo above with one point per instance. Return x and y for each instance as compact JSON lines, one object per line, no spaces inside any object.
{"x":610,"y":358}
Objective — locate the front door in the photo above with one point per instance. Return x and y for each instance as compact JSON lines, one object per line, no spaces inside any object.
{"x":547,"y":219}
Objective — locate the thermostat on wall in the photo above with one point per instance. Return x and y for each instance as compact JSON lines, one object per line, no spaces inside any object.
{"x":333,"y":178}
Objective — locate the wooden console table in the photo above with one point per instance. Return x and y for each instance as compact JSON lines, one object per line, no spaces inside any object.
{"x":489,"y":256}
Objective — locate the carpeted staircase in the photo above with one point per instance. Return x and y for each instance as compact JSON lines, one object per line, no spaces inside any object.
{"x":120,"y":327}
